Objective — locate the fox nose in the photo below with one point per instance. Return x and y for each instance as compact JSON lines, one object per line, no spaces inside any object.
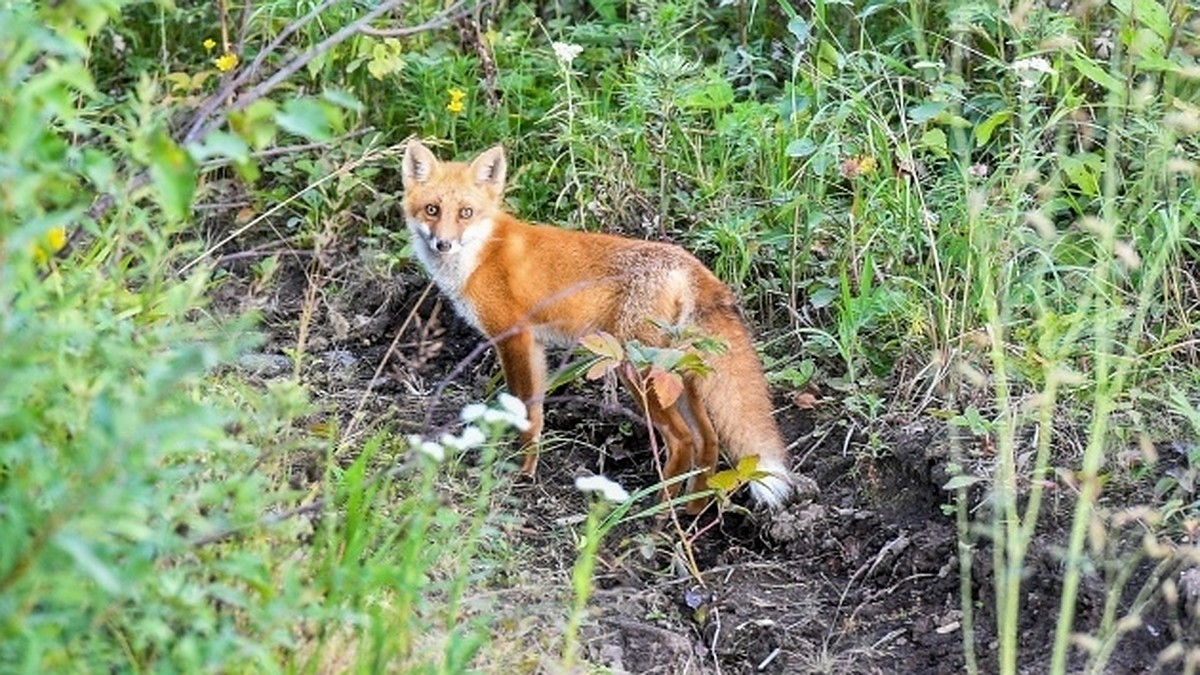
{"x":442,"y":246}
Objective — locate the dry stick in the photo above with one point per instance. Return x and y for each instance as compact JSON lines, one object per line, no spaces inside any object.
{"x":497,"y":339}
{"x":642,"y":391}
{"x":314,"y":506}
{"x":445,"y":18}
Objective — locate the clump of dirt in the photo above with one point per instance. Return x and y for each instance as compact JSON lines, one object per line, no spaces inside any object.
{"x":862,"y":579}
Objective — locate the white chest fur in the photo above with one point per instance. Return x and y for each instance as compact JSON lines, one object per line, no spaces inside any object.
{"x":450,"y":270}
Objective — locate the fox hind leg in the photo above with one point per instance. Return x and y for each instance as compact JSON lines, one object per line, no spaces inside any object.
{"x":697,"y":415}
{"x":676,"y":433}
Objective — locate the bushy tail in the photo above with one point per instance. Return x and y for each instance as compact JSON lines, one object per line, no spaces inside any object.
{"x":736,"y":398}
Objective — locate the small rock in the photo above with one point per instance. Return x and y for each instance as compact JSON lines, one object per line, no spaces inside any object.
{"x":340,"y":358}
{"x":264,"y":365}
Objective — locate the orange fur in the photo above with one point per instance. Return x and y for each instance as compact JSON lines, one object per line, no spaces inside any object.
{"x":528,"y":286}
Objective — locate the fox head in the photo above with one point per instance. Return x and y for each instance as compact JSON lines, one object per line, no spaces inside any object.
{"x":449,"y":204}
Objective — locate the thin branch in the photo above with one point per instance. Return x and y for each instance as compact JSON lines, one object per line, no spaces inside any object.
{"x":444,"y":18}
{"x":314,"y":506}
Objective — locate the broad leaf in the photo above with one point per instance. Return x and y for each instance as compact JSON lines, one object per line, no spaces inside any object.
{"x":667,"y":386}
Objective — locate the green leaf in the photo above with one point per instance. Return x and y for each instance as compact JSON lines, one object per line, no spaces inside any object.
{"x":926,"y":111}
{"x":305,"y":117}
{"x":256,"y":123}
{"x":724,"y":481}
{"x":1092,"y":71}
{"x":985,"y":129}
{"x":961,"y":481}
{"x":81,"y":552}
{"x":801,"y":147}
{"x":607,"y":9}
{"x":1150,"y":13}
{"x":342,"y":99}
{"x":221,"y":144}
{"x":1080,"y":172}
{"x":747,"y":467}
{"x":800,"y":29}
{"x":173,"y":174}
{"x":822,"y":297}
{"x":714,"y":94}
{"x":935,"y":140}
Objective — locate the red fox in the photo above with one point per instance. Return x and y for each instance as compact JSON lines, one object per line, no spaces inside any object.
{"x":527,"y":286}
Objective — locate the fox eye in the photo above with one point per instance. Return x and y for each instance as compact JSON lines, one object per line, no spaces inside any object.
{"x":432,"y":209}
{"x":465,"y":212}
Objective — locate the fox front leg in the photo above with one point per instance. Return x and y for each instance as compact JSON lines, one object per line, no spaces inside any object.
{"x":523,"y":359}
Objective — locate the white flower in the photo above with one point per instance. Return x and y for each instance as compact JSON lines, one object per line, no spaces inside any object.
{"x":432,"y":450}
{"x":473,"y":412}
{"x":513,"y":405}
{"x":1031,"y":69}
{"x":471,"y":437}
{"x":565,"y":52}
{"x":607,"y":488}
{"x":493,"y":416}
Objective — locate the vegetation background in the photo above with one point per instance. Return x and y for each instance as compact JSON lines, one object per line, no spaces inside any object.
{"x":977,"y":219}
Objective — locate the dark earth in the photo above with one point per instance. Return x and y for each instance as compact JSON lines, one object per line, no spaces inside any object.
{"x":862,"y":579}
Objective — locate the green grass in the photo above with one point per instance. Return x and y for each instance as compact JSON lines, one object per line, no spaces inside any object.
{"x":1008,"y":200}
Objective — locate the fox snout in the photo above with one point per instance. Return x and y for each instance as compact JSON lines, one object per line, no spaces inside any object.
{"x":441,"y":245}
{"x":435,"y":243}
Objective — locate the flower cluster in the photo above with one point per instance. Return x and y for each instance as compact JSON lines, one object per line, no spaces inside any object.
{"x":49,"y":244}
{"x":456,"y":100}
{"x":605,"y":487}
{"x":510,"y":412}
{"x":1030,"y":70}
{"x":565,"y":52}
{"x":226,"y":62}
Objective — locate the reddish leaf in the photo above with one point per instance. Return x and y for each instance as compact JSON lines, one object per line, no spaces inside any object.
{"x":667,"y":386}
{"x":804,"y":400}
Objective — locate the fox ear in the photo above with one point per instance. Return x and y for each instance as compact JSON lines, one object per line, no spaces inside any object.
{"x":490,"y":167}
{"x":418,"y":163}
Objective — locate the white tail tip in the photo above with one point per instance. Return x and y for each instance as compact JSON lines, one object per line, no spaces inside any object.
{"x":774,"y":490}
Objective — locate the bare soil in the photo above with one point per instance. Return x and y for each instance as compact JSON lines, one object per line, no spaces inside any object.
{"x":862,"y":579}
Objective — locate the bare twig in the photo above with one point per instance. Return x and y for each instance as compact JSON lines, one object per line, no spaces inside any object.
{"x":443,"y":19}
{"x":314,"y":506}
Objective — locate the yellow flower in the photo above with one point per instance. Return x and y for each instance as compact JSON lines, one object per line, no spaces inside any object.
{"x":209,"y":44}
{"x":456,"y":100}
{"x":867,"y":165}
{"x":51,"y":243}
{"x":226,"y":62}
